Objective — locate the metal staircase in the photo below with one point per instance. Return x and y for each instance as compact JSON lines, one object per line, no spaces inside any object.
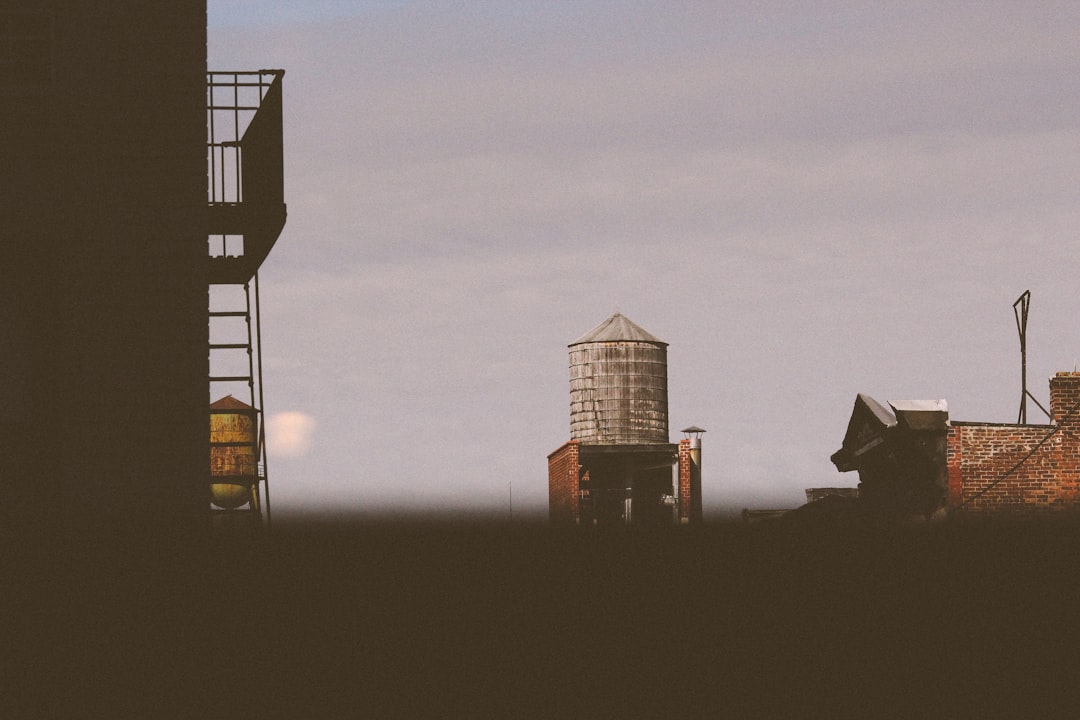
{"x":245,"y":217}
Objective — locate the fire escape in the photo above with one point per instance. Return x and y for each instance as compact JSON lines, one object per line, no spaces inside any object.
{"x":246,"y":214}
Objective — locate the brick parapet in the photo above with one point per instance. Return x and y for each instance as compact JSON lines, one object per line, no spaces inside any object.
{"x":954,"y":467}
{"x":1064,"y":394}
{"x":1013,"y":472}
{"x":1019,"y":470}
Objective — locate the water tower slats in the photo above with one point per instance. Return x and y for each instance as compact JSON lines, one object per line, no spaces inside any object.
{"x":618,"y":386}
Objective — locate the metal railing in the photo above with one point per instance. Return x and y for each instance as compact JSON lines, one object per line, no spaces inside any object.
{"x":232,"y":100}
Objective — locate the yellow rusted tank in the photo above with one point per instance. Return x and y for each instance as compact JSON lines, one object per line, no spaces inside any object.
{"x":234,"y":460}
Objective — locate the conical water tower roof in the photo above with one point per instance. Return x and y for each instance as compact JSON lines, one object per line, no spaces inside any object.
{"x":615,"y":328}
{"x":230,"y":403}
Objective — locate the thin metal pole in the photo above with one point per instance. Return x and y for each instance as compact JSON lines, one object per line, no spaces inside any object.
{"x":212,"y":144}
{"x":236,"y":132}
{"x":262,"y":409}
{"x":250,"y":356}
{"x":1020,"y":312}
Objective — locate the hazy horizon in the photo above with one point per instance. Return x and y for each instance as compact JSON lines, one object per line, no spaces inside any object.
{"x":806,"y":201}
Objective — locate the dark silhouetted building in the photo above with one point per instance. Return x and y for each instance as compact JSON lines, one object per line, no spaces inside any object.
{"x":105,"y":215}
{"x":912,"y":460}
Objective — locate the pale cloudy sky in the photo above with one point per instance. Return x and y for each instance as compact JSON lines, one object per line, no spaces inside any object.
{"x":807,"y":200}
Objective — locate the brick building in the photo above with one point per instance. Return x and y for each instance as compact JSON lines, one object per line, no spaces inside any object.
{"x":619,"y":467}
{"x":1019,"y":470}
{"x":912,"y":460}
{"x":574,"y":498}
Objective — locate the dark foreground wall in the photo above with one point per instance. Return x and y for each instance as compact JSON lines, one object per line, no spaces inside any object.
{"x":103,"y":269}
{"x":410,"y":620}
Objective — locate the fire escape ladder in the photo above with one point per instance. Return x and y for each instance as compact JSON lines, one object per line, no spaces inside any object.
{"x":235,"y":359}
{"x":241,"y":341}
{"x":246,"y":213}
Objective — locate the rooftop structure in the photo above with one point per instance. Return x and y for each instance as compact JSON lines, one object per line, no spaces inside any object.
{"x":618,"y":385}
{"x":914,"y":460}
{"x":619,"y":466}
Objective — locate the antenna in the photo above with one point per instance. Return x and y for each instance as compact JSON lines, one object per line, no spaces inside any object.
{"x":1020,"y":312}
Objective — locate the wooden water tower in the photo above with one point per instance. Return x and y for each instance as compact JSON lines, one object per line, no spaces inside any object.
{"x":618,"y":468}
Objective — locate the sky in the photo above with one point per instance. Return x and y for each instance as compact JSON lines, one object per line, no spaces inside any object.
{"x":806,"y":200}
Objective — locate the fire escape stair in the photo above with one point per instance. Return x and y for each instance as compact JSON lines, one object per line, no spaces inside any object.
{"x":245,"y":215}
{"x":259,"y":224}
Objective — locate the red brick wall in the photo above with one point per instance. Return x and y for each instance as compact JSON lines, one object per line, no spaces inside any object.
{"x":564,"y":469}
{"x":565,"y":478}
{"x":685,"y":493}
{"x":981,"y":456}
{"x":1064,"y":394}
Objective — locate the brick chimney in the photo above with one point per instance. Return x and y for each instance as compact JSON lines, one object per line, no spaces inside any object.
{"x":1064,"y":394}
